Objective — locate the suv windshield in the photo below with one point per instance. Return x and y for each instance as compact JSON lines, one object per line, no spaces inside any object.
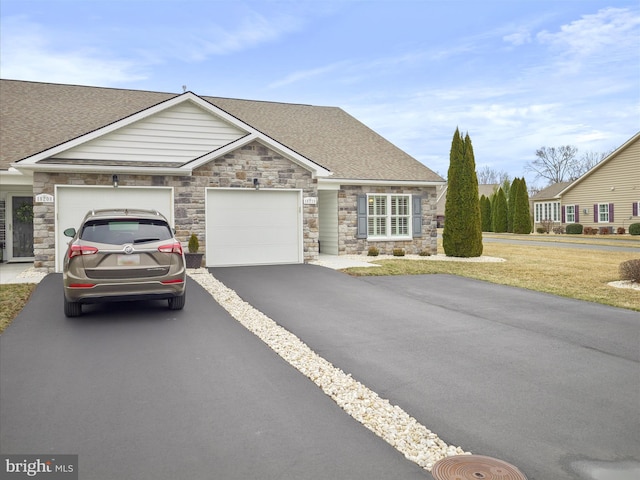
{"x":121,"y":231}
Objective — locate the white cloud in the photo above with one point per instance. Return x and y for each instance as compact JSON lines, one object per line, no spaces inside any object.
{"x":307,"y":74}
{"x":353,"y":71}
{"x":610,"y":29}
{"x":26,"y":54}
{"x":254,"y":29}
{"x":518,"y":38}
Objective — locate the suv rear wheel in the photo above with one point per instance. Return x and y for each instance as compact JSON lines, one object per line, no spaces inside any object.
{"x":177,"y":303}
{"x":72,"y":309}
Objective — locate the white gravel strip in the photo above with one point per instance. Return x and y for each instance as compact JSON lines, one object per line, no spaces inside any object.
{"x":394,"y":425}
{"x":347,"y":261}
{"x":625,"y":284}
{"x":32,"y":275}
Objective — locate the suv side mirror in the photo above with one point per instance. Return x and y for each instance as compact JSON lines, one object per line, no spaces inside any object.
{"x":70,"y":232}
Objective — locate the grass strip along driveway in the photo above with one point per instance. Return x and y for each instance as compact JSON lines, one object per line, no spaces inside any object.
{"x":582,"y":274}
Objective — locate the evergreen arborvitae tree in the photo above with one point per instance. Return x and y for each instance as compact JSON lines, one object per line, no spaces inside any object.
{"x":485,"y":213}
{"x":462,"y":234}
{"x":499,"y":213}
{"x":522,"y":215}
{"x":511,"y":202}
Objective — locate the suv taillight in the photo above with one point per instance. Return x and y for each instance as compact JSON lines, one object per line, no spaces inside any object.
{"x":76,"y":250}
{"x":171,"y":248}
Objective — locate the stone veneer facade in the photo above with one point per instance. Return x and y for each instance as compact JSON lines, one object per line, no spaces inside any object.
{"x":349,"y":244}
{"x":237,"y":170}
{"x":234,"y":170}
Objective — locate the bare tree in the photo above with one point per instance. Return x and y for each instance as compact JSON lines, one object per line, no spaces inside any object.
{"x":487,"y":175}
{"x":555,"y":164}
{"x":588,"y":160}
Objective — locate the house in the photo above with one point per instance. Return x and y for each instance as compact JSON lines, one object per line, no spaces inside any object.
{"x":545,"y":204}
{"x":486,"y":189}
{"x":606,"y":197}
{"x":258,"y":182}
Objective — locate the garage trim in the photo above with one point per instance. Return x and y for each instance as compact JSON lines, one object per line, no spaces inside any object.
{"x":246,"y":234}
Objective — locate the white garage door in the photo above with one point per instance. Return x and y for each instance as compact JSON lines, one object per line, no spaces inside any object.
{"x":72,"y":203}
{"x":253,"y":227}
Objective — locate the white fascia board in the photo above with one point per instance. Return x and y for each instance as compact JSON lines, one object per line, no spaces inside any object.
{"x":597,"y":166}
{"x":443,"y":191}
{"x":185,"y":97}
{"x":51,"y":152}
{"x":331,"y":182}
{"x":304,"y":162}
{"x":15,"y":177}
{"x":252,"y":134}
{"x":318,"y":170}
{"x":74,"y":168}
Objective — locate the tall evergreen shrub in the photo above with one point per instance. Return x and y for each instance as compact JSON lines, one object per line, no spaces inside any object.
{"x":485,"y":213}
{"x":521,"y":214}
{"x":462,"y":234}
{"x":511,"y":203}
{"x":499,"y":213}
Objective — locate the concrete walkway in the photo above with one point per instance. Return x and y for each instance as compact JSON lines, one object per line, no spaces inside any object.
{"x":19,"y":273}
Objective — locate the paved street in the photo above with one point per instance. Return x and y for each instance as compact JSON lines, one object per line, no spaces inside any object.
{"x":631,"y":245}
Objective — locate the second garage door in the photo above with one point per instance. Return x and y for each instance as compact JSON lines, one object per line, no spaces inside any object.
{"x":253,"y":227}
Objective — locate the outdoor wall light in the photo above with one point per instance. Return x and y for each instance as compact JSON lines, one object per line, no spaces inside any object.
{"x":256,"y":183}
{"x":115,"y":181}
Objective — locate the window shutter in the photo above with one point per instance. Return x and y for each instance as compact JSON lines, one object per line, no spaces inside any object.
{"x":576,"y":209}
{"x":611,"y":213}
{"x":595,"y":212}
{"x":564,"y":214}
{"x":362,"y":217}
{"x":635,"y":208}
{"x":416,"y":213}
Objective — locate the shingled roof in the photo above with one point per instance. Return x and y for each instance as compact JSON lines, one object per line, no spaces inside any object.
{"x":37,"y":116}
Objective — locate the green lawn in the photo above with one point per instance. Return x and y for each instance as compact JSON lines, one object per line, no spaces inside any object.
{"x":583,"y":274}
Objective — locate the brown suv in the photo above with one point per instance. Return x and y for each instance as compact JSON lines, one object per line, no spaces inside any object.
{"x":123,"y":254}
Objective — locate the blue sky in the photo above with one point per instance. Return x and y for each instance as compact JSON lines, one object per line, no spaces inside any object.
{"x":515,"y":75}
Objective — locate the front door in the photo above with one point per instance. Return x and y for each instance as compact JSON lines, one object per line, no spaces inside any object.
{"x":20,"y":228}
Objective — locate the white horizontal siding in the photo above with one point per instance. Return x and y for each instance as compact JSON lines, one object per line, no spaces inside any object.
{"x":178,"y":134}
{"x":328,"y":218}
{"x":616,"y":182}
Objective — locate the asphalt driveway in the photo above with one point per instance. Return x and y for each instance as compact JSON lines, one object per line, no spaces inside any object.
{"x":549,"y":384}
{"x":142,"y":392}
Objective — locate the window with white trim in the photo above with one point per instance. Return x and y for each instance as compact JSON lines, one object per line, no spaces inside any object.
{"x":547,"y":211}
{"x":603,"y":213}
{"x":389,"y":216}
{"x":570,"y":213}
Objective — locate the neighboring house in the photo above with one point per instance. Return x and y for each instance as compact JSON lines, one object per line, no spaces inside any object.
{"x":606,"y":197}
{"x":258,"y":182}
{"x":545,"y":204}
{"x":486,"y":189}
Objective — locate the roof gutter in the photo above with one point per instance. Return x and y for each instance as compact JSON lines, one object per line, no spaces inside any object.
{"x":59,"y":168}
{"x":336,"y":182}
